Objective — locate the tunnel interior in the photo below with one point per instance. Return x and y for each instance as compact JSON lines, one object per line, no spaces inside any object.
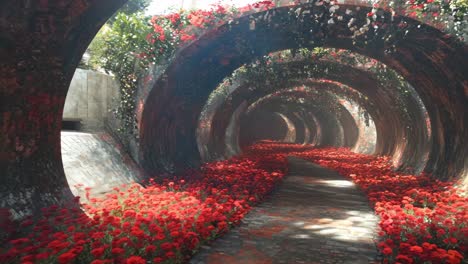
{"x":314,"y":75}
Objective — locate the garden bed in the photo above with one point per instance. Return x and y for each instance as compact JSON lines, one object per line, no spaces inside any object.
{"x":422,"y":220}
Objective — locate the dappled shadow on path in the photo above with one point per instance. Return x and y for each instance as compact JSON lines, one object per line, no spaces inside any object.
{"x":315,"y":216}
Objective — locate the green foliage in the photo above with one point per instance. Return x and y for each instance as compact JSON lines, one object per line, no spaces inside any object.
{"x":450,"y":16}
{"x":96,"y":49}
{"x":131,"y":42}
{"x":134,"y":6}
{"x":124,"y":42}
{"x":456,"y":8}
{"x":118,"y":49}
{"x":131,"y":7}
{"x":121,"y":52}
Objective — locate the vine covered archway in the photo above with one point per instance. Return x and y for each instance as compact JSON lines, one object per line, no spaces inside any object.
{"x":41,"y":43}
{"x":178,"y":101}
{"x":49,"y":46}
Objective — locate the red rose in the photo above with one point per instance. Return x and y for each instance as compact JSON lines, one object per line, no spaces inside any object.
{"x":98,"y":252}
{"x":387,"y":251}
{"x":66,"y":258}
{"x":135,"y":260}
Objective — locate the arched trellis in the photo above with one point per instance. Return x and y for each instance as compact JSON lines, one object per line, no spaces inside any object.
{"x":396,"y":126}
{"x":328,"y":99}
{"x":35,"y":82}
{"x":302,"y":119}
{"x":306,"y":138}
{"x":299,"y":126}
{"x":246,"y":120}
{"x":219,"y":123}
{"x":248,"y":94}
{"x":290,"y":136}
{"x":268,"y":125}
{"x":206,"y":62}
{"x":254,"y":130}
{"x":319,"y":101}
{"x":232,"y":132}
{"x":328,"y":122}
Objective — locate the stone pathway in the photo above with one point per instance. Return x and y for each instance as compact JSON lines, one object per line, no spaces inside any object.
{"x":316,"y":216}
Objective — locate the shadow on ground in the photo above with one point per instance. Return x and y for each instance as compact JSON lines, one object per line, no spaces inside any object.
{"x":315,"y":216}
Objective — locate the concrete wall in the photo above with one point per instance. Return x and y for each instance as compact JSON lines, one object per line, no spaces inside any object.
{"x":90,"y":97}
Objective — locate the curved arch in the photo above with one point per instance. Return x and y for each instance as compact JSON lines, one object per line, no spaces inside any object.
{"x":306,"y":133}
{"x":265,"y":125}
{"x":232,"y":132}
{"x":318,"y":85}
{"x":42,"y":44}
{"x":41,"y":72}
{"x":198,"y":72}
{"x":329,"y":123}
{"x":322,"y":100}
{"x":392,"y":122}
{"x":290,"y":136}
{"x":299,"y":125}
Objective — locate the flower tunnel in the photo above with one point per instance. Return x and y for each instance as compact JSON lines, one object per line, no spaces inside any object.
{"x":319,"y":77}
{"x":419,"y":117}
{"x":341,"y":131}
{"x":370,"y":87}
{"x":284,"y":129}
{"x":204,"y":64}
{"x":305,"y":122}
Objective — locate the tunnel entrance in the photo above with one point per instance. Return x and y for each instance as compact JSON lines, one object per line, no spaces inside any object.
{"x":309,"y":62}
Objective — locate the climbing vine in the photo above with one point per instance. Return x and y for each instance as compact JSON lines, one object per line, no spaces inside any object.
{"x":269,"y":74}
{"x":135,"y":42}
{"x":123,"y":39}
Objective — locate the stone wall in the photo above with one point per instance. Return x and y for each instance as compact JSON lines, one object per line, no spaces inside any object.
{"x":91,"y":97}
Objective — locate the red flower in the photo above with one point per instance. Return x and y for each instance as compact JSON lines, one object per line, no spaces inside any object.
{"x":98,"y":252}
{"x":66,"y":257}
{"x":150,"y":249}
{"x":42,"y":256}
{"x":28,"y":258}
{"x":101,"y":261}
{"x":197,"y":21}
{"x":117,"y":251}
{"x":135,"y":260}
{"x":404,"y":259}
{"x":409,"y":206}
{"x":387,"y":251}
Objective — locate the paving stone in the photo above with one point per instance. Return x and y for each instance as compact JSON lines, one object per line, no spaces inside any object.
{"x":315,"y":216}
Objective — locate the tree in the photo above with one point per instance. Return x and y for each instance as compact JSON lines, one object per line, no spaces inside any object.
{"x":117,"y":49}
{"x":94,"y":58}
{"x":133,"y":6}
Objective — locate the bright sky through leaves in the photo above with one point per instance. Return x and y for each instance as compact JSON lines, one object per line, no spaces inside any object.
{"x":164,"y":6}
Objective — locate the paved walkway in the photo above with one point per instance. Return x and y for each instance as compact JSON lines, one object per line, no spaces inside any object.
{"x":96,"y":160}
{"x":316,"y":216}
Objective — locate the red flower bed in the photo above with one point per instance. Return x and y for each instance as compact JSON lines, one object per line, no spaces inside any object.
{"x":422,"y":220}
{"x":162,"y":223}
